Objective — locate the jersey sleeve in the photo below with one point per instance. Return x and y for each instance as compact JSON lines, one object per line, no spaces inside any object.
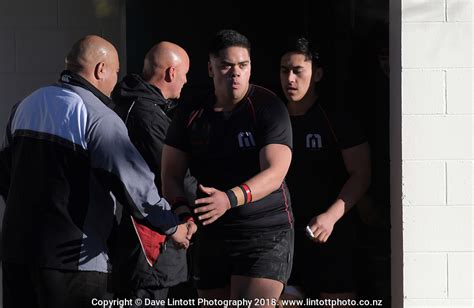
{"x":177,"y":136}
{"x":348,"y":131}
{"x":274,"y":126}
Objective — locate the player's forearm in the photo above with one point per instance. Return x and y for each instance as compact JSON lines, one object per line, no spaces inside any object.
{"x":266,"y":182}
{"x":173,"y":188}
{"x":354,"y":188}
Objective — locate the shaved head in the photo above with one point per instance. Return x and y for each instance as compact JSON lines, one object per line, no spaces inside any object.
{"x":165,"y":66}
{"x":95,"y":59}
{"x":86,"y":52}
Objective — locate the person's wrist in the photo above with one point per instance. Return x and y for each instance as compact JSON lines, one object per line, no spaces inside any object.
{"x":332,"y":215}
{"x":231,"y":198}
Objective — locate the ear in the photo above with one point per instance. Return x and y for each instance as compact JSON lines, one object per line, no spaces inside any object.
{"x":318,"y":74}
{"x":170,"y":73}
{"x":209,"y":70}
{"x":99,"y":71}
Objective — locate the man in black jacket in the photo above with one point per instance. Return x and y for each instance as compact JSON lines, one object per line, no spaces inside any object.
{"x":143,"y":103}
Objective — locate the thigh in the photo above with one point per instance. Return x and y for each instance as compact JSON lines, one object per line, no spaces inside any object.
{"x":326,"y":267}
{"x":17,"y":281}
{"x":262,"y":292}
{"x":268,"y":255}
{"x":214,"y":294}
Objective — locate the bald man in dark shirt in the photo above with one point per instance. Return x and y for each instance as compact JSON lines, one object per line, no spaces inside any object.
{"x":145,"y":103}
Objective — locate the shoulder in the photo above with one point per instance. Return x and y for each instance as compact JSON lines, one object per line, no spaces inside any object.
{"x":196,"y":102}
{"x":345,"y":126}
{"x":337,"y":116}
{"x":97,"y":110}
{"x":266,"y":103}
{"x":262,"y":96}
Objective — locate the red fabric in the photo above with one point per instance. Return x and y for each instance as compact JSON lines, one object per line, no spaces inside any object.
{"x":150,"y":241}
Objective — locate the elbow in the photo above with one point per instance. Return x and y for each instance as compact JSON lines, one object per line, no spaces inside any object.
{"x":366,"y":179}
{"x":277,"y":182}
{"x":363,"y":180}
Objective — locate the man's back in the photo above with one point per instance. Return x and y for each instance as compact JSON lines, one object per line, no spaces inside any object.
{"x":64,"y":218}
{"x":61,"y":141}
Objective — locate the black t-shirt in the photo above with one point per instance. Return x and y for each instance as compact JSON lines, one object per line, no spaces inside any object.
{"x":317,"y":171}
{"x":224,"y":148}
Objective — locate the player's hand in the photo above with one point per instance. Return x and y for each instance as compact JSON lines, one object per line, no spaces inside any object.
{"x":214,"y":206}
{"x":321,"y":226}
{"x":180,"y":237}
{"x":192,"y":228}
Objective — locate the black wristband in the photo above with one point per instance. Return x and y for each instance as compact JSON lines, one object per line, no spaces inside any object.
{"x":232,"y":198}
{"x":244,"y":192}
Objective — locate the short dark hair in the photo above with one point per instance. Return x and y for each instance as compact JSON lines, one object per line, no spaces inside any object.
{"x":303,"y":46}
{"x":228,"y":38}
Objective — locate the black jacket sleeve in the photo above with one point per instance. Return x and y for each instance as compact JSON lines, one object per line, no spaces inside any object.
{"x":148,"y":136}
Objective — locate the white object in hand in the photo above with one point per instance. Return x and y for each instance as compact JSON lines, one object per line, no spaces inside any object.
{"x":309,"y":232}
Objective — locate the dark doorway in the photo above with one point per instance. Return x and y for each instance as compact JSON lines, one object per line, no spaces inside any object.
{"x":353,"y":36}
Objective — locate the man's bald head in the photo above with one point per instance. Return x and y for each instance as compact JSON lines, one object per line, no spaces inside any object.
{"x":95,"y":59}
{"x":165,"y":66}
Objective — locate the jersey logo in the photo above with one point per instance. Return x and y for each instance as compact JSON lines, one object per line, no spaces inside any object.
{"x":313,"y":141}
{"x":66,"y":78}
{"x":246,"y":140}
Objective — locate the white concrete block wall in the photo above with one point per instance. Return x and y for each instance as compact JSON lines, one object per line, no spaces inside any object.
{"x":426,"y":275}
{"x":424,"y":183}
{"x":438,"y":229}
{"x":460,"y":91}
{"x":437,"y":137}
{"x":437,"y":44}
{"x":460,"y":185}
{"x":461,"y":275}
{"x":459,"y":10}
{"x":35,"y":36}
{"x":423,"y":92}
{"x":423,"y":10}
{"x":437,"y":59}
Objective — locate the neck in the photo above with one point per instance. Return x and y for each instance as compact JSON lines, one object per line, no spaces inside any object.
{"x":296,"y":108}
{"x":158,"y":83}
{"x":226,"y":102}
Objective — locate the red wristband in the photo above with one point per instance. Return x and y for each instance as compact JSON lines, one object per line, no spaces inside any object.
{"x":247,"y":192}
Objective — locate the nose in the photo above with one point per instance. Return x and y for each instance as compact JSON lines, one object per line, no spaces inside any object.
{"x":236,"y":71}
{"x":291,"y":77}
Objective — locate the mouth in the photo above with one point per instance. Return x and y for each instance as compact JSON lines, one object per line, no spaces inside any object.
{"x":291,"y":90}
{"x":235,"y":85}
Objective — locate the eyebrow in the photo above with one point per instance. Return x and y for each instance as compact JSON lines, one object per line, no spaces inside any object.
{"x":292,"y":67}
{"x":230,"y":63}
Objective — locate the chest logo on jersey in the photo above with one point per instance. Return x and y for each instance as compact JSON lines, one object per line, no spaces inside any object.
{"x":314,"y":141}
{"x":246,"y":140}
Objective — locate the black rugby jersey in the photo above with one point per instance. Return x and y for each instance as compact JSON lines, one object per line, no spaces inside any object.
{"x":317,"y":172}
{"x":224,"y":148}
